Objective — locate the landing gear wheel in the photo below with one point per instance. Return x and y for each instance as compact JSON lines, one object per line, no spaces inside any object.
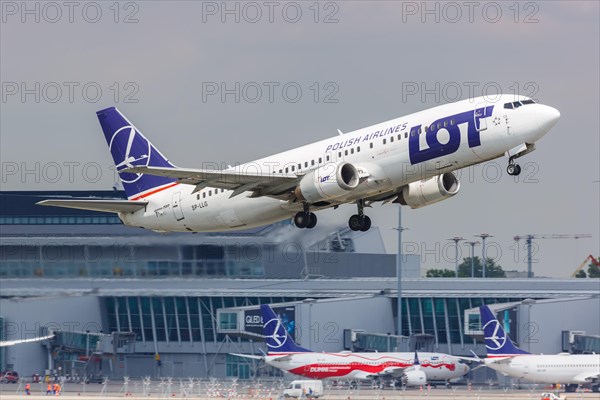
{"x":360,"y":222}
{"x":355,"y":222}
{"x":312,"y":220}
{"x":513,"y":169}
{"x":365,"y":223}
{"x":302,"y":219}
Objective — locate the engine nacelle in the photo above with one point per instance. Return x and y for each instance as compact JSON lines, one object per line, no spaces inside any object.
{"x":429,"y":191}
{"x":328,"y":182}
{"x":414,"y":378}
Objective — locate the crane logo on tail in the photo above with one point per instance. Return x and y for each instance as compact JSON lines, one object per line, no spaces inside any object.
{"x":494,"y":342}
{"x":279,"y":336}
{"x":132,"y":148}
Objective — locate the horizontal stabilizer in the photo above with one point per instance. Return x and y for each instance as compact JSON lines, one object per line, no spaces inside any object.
{"x":114,"y":206}
{"x":7,"y":343}
{"x":248,"y":356}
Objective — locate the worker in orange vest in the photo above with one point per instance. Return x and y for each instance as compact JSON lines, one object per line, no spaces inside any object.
{"x":48,"y":389}
{"x":57,"y":387}
{"x":27,"y":388}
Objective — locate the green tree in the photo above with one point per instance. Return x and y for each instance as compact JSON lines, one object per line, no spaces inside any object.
{"x":594,"y":269}
{"x":440,"y":273}
{"x":581,"y":274}
{"x":492,"y":270}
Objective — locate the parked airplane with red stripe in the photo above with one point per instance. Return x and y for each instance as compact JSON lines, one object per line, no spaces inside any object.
{"x":408,"y":160}
{"x":407,"y":368}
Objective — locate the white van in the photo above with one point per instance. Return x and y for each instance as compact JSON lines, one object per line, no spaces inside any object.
{"x":304,"y":388}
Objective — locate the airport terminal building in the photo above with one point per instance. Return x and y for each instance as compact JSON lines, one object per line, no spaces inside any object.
{"x":123,"y":301}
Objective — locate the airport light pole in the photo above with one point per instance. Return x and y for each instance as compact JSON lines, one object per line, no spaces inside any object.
{"x":400,"y":228}
{"x":483,"y":236}
{"x":456,"y":239}
{"x":87,"y":344}
{"x":473,"y":244}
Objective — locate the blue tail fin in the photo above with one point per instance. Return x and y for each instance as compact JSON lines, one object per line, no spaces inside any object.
{"x":276,"y":335}
{"x":416,"y":360}
{"x":130,"y":148}
{"x":496,"y":340}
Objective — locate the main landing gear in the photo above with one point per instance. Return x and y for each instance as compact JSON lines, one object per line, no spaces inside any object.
{"x":305,"y":219}
{"x":360,"y":222}
{"x":513,"y":168}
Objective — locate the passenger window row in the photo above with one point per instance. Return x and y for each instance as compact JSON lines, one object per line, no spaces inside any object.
{"x":209,"y":193}
{"x":318,"y":162}
{"x":432,"y":127}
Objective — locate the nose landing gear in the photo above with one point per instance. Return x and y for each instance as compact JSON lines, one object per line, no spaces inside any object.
{"x":513,"y":168}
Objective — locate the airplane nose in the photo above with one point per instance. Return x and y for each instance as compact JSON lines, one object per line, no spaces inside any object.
{"x":548,"y":116}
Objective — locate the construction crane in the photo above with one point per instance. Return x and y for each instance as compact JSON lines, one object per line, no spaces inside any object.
{"x":529,"y":239}
{"x":591,"y":258}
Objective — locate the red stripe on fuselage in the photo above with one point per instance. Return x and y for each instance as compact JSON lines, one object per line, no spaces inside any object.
{"x":155,"y":191}
{"x":324,"y":370}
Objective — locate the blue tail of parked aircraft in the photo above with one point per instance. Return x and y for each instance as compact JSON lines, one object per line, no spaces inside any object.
{"x":130,"y":148}
{"x":497,"y":342}
{"x":276,"y":335}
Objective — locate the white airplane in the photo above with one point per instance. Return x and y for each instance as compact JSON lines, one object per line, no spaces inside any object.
{"x":506,"y":358}
{"x":286,"y":355}
{"x":408,"y":160}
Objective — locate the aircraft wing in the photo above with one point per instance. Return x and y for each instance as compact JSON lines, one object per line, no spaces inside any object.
{"x":115,"y":206}
{"x":15,"y":342}
{"x":260,"y":183}
{"x":393,"y":372}
{"x":498,"y":360}
{"x":586,"y":377}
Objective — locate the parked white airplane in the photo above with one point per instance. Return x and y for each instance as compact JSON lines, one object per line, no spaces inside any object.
{"x":408,"y":368}
{"x":564,"y":368}
{"x":408,"y":160}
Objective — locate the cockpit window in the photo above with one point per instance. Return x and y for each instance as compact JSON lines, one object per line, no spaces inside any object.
{"x":517,"y":104}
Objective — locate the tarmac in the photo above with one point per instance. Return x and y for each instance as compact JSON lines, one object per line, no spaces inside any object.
{"x":95,"y":392}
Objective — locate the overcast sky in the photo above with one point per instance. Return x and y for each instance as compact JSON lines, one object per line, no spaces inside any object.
{"x":356,"y":63}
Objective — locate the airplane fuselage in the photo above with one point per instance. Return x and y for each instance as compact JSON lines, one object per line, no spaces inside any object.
{"x":362,"y":366}
{"x":389,"y":155}
{"x":561,"y":368}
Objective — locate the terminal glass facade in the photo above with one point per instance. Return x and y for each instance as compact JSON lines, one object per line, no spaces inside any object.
{"x":175,"y":319}
{"x":194,"y":319}
{"x":442,"y":317}
{"x":125,"y":259}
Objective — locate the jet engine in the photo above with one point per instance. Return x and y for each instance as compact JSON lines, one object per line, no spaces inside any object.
{"x":327,"y":182}
{"x":429,"y":191}
{"x":414,"y":378}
